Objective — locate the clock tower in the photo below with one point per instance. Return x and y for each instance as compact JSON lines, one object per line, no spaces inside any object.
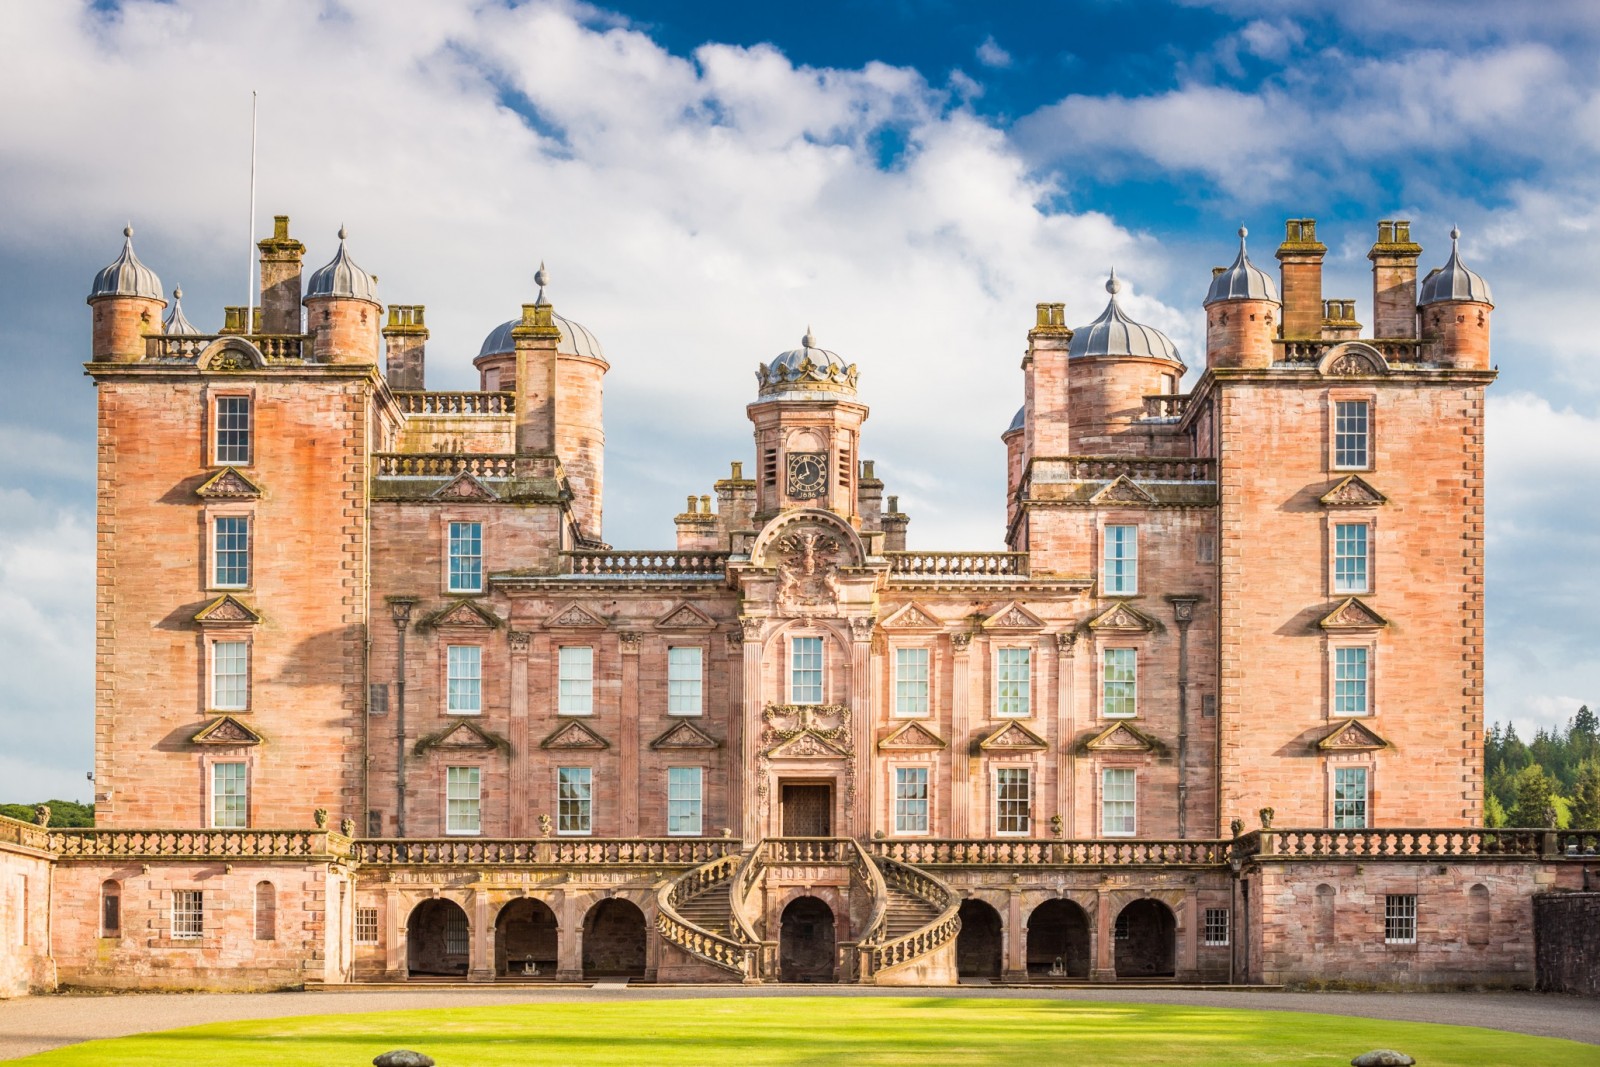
{"x":808,"y":433}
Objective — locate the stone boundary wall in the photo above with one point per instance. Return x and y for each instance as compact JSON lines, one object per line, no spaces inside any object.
{"x":1566,"y":932}
{"x":25,"y":960}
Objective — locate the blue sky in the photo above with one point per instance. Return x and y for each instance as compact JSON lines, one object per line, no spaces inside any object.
{"x":707,"y":179}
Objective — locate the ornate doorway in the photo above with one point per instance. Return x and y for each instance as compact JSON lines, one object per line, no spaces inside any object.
{"x":807,"y":809}
{"x":805,"y":943}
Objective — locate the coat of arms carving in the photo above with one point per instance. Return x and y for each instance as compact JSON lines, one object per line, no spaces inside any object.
{"x":808,"y":577}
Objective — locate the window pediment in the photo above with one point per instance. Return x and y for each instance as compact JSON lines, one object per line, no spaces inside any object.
{"x":228,"y":484}
{"x":1013,"y":737}
{"x":1120,"y":737}
{"x":227,"y":610}
{"x":1122,"y":490}
{"x":466,"y":487}
{"x":1352,"y":735}
{"x":1352,"y":492}
{"x":1013,"y":616}
{"x":912,"y":617}
{"x":684,"y":735}
{"x":685,"y":617}
{"x":462,"y":737}
{"x":1353,"y":616}
{"x":575,"y":617}
{"x":463,"y":613}
{"x":911,"y":737}
{"x":1122,"y":618}
{"x":574,"y":735}
{"x":225,"y":730}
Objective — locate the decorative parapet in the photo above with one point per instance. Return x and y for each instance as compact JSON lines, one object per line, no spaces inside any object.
{"x":630,"y":563}
{"x":1002,"y":852}
{"x":1166,"y":406}
{"x":444,"y":464}
{"x":1110,"y":468}
{"x":957,"y":565}
{"x":186,"y":347}
{"x":1400,"y":844}
{"x":1310,"y":352}
{"x":473,"y":403}
{"x":27,"y":835}
{"x":199,"y":844}
{"x":738,"y":957}
{"x":548,"y":852}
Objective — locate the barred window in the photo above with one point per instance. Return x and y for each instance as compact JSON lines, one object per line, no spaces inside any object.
{"x":911,"y":681}
{"x":574,"y":800}
{"x":1013,"y":677}
{"x":684,"y":676}
{"x":1119,"y":689}
{"x":1350,"y":681}
{"x":1349,"y":798}
{"x":366,"y":926}
{"x":455,"y":932}
{"x":1400,"y":919}
{"x":1121,"y":571}
{"x":1117,"y":804}
{"x":230,"y":675}
{"x":466,"y":557}
{"x":233,"y":431}
{"x":1216,"y":926}
{"x":576,"y":683}
{"x":1351,"y":434}
{"x":230,"y":552}
{"x":1013,"y":801}
{"x":805,"y":670}
{"x":911,"y":800}
{"x":188,"y":913}
{"x":463,"y":800}
{"x":230,"y":799}
{"x":464,"y":681}
{"x":683,"y":800}
{"x":1350,"y":557}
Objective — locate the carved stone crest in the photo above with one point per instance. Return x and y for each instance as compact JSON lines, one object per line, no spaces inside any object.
{"x":1348,"y":364}
{"x":521,"y":641}
{"x":808,"y":577}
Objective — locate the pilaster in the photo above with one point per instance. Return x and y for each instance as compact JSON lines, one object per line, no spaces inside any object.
{"x":960,"y":761}
{"x":628,"y":734}
{"x":521,"y":767}
{"x":755,"y":784}
{"x":1066,"y":730}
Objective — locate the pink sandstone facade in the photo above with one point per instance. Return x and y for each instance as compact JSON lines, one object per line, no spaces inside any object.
{"x":788,"y":748}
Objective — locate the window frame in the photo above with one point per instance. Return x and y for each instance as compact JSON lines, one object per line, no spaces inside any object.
{"x":1336,"y":586}
{"x":896,"y":680}
{"x":998,"y":799}
{"x":1131,"y":800}
{"x":1368,"y":680}
{"x":451,"y":556}
{"x":1369,"y":432}
{"x":1126,"y":583}
{"x":452,"y":680}
{"x":451,"y":798}
{"x":214,"y":535}
{"x":794,"y":670}
{"x":1209,"y":930}
{"x":1400,"y":914}
{"x":1001,"y":698}
{"x":366,"y":923}
{"x":587,"y":802}
{"x":187,"y":915}
{"x":1131,"y":696}
{"x":573,"y":703}
{"x":690,"y":707}
{"x":1365,"y":801}
{"x":216,"y":457}
{"x":111,"y":908}
{"x":698,"y":802}
{"x":213,"y":646}
{"x":216,"y":797}
{"x":895,"y":799}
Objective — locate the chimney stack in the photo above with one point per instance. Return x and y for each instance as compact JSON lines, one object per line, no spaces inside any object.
{"x":405,"y":338}
{"x":1301,"y":258}
{"x":1394,"y":280}
{"x":280,"y":279}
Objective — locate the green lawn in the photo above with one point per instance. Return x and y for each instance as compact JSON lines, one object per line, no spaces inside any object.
{"x":925,"y":1032}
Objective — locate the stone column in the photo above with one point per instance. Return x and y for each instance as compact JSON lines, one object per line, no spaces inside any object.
{"x":960,"y":760}
{"x":1016,"y":946}
{"x":1102,"y":943}
{"x":628,"y":734}
{"x":569,"y":937}
{"x":394,"y":925}
{"x":755,"y":784}
{"x":521,"y":759}
{"x":1188,"y":948}
{"x":863,"y":723}
{"x":1066,"y":729}
{"x":480,"y":958}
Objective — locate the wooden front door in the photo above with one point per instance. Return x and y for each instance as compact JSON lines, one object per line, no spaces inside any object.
{"x":807,"y":809}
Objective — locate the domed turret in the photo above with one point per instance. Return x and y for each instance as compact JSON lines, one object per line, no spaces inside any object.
{"x":126,"y":276}
{"x":1113,"y":364}
{"x":177,"y":322}
{"x":1455,"y":304}
{"x":342,"y":278}
{"x":807,"y":373}
{"x":576,"y":339}
{"x":1242,"y":313}
{"x":127,"y":302}
{"x":1243,"y":280}
{"x":1114,"y":334}
{"x":343,"y":311}
{"x":1454,"y":281}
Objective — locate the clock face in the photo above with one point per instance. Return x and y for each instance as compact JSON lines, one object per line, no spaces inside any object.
{"x":808,"y":475}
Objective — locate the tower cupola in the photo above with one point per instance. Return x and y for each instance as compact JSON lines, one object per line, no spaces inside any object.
{"x":342,"y":278}
{"x":343,"y":311}
{"x":1114,"y":334}
{"x":126,"y":276}
{"x":1113,"y":364}
{"x":176,"y":322}
{"x":1242,"y":313}
{"x":1454,"y":305}
{"x":1243,"y":280}
{"x":1454,"y":281}
{"x":127,"y":303}
{"x":806,"y":373}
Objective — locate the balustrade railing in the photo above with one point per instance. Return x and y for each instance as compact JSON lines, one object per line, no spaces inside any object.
{"x":866,"y":875}
{"x":1033,"y":853}
{"x":940,"y":931}
{"x":808,"y":850}
{"x":1311,"y":350}
{"x":1397,"y":843}
{"x":623,"y":562}
{"x":1578,"y":842}
{"x":274,"y":347}
{"x":26,"y":834}
{"x":197,"y":844}
{"x":726,"y":952}
{"x":423,"y":403}
{"x":552,"y":851}
{"x":444,"y":464}
{"x":1109,"y":468}
{"x":957,"y":564}
{"x":1166,"y":405}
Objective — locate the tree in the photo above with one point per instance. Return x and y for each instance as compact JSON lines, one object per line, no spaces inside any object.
{"x":62,"y":812}
{"x":1586,"y":795}
{"x":1494,"y":813}
{"x":1534,"y":797}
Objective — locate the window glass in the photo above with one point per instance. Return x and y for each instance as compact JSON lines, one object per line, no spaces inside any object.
{"x":1400,"y":918}
{"x":1350,"y":798}
{"x":1120,"y":684}
{"x":1350,"y":557}
{"x":1216,"y":926}
{"x":684,"y":670}
{"x":911,"y":681}
{"x":1121,"y":571}
{"x":464,"y":681}
{"x":111,"y":909}
{"x":466,"y":557}
{"x":230,"y":807}
{"x":366,"y":926}
{"x":576,"y":695}
{"x":911,"y":800}
{"x":233,"y":431}
{"x":683,"y":800}
{"x":230,"y":678}
{"x":1117,"y":802}
{"x":1012,"y":681}
{"x":1350,"y":681}
{"x":1351,"y":431}
{"x":805,"y":670}
{"x":463,"y":797}
{"x":231,"y":545}
{"x":188,"y":913}
{"x":574,"y":800}
{"x":1012,"y":801}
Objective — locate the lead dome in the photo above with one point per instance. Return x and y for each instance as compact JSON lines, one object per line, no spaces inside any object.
{"x":1454,"y":281}
{"x":126,"y":276}
{"x":1243,"y":280}
{"x":807,"y":372}
{"x":341,"y":278}
{"x":1115,"y":334}
{"x":576,"y":340}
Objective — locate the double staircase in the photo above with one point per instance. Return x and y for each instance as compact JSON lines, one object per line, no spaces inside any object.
{"x":714,"y":913}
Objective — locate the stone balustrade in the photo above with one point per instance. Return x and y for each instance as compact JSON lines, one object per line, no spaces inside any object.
{"x":186,"y":347}
{"x":1166,"y":406}
{"x":25,"y":834}
{"x":1406,"y":843}
{"x":730,"y":954}
{"x":444,"y":464}
{"x":947,"y":565}
{"x":627,"y":563}
{"x":429,"y":403}
{"x":546,"y":852}
{"x":1066,"y":469}
{"x":68,"y":843}
{"x":1000,"y":852}
{"x":1311,"y":350}
{"x":913,"y":946}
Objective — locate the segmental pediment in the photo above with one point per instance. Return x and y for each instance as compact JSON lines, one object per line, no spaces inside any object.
{"x":1123,"y":490}
{"x":1352,"y":735}
{"x":911,"y":737}
{"x":684,"y":734}
{"x":226,"y":730}
{"x":467,"y":613}
{"x":685,"y":617}
{"x":465,"y":486}
{"x":1353,"y":360}
{"x":912,"y":617}
{"x":462,"y":736}
{"x":228,"y":484}
{"x":1013,"y":617}
{"x":226,"y":610}
{"x":1122,"y":618}
{"x":1352,"y":492}
{"x":574,"y":735}
{"x":1013,"y":737}
{"x":1353,"y":615}
{"x":576,"y":617}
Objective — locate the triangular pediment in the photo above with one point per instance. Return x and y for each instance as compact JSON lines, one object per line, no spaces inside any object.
{"x":228,"y":484}
{"x":1353,"y":492}
{"x":1013,"y":617}
{"x":465,"y":486}
{"x":685,"y":617}
{"x":1119,"y":737}
{"x":574,"y":735}
{"x":1013,"y":737}
{"x":1352,"y":614}
{"x":685,"y":734}
{"x":1122,"y":618}
{"x":1352,"y":735}
{"x":912,"y":737}
{"x":467,"y":613}
{"x":1124,"y":490}
{"x":226,"y":610}
{"x":807,"y":745}
{"x":226,"y":730}
{"x":912,"y":617}
{"x":462,"y":736}
{"x":576,"y":617}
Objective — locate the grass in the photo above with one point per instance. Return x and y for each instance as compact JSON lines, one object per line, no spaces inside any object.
{"x":925,"y":1032}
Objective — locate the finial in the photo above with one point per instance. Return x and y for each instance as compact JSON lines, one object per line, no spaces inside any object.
{"x":177,"y":293}
{"x":341,"y":231}
{"x":1455,"y":233}
{"x":1243,"y":233}
{"x":1112,"y":285}
{"x":127,"y":231}
{"x":808,"y":341}
{"x":541,"y":278}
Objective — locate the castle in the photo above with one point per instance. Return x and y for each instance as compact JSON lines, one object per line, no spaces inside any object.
{"x":375,"y":700}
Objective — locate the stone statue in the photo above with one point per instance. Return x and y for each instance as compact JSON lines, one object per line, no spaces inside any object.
{"x":41,"y":815}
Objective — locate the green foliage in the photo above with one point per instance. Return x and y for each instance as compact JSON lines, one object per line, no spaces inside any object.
{"x":796,"y":1031}
{"x":1559,"y":756}
{"x":62,"y":812}
{"x":1586,"y":796}
{"x":1533,"y":797}
{"x":1494,"y":813}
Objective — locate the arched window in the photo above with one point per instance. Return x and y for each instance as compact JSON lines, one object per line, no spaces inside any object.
{"x":111,"y":908}
{"x":266,"y":912}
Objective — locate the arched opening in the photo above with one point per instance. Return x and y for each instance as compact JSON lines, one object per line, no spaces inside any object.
{"x":1478,"y":915}
{"x":978,"y":942}
{"x":1146,"y":940}
{"x":614,"y":940}
{"x":1324,"y":933}
{"x":111,"y":908}
{"x":525,"y":940}
{"x":437,"y":939}
{"x":805,"y":942}
{"x":267,"y":912}
{"x":1058,"y":941}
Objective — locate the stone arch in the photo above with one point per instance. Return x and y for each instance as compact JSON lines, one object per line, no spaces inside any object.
{"x":227,"y":353}
{"x":1478,"y":916}
{"x":1145,"y":940}
{"x":1324,"y":914}
{"x":1352,"y":358}
{"x":266,"y":900}
{"x":438,"y":939}
{"x":806,"y":941}
{"x":854,"y":551}
{"x":526,"y":939}
{"x":1058,"y":940}
{"x":615,"y":939}
{"x":980,"y":943}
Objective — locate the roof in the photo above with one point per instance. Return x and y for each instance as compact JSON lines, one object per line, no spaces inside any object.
{"x":126,"y":276}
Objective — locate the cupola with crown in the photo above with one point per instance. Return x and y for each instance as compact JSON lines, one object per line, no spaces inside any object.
{"x":1115,"y":363}
{"x":342,"y":310}
{"x":127,"y":303}
{"x":808,"y":432}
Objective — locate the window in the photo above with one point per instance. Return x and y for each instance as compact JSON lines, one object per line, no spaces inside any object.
{"x":463,"y":798}
{"x":111,"y":909}
{"x":911,"y":681}
{"x":574,"y":800}
{"x":1116,"y":802}
{"x":464,"y":679}
{"x":266,"y":912}
{"x":1012,"y":801}
{"x":1216,"y":927}
{"x":455,"y":932}
{"x":366,"y":926}
{"x":231,"y":552}
{"x":1012,"y":677}
{"x":1350,"y":681}
{"x":577,"y":680}
{"x":466,"y":557}
{"x":1351,"y":435}
{"x":1122,"y":561}
{"x":805,"y":670}
{"x":374,"y":823}
{"x":1349,"y":798}
{"x":230,"y":801}
{"x":188,"y":913}
{"x":911,"y":800}
{"x":1119,"y":690}
{"x":684,"y":672}
{"x":233,"y":432}
{"x":230,"y":675}
{"x":683,"y":800}
{"x":378,"y":698}
{"x":1350,"y":557}
{"x":1400,"y":919}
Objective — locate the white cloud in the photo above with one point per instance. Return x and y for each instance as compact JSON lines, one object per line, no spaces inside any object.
{"x":990,"y":54}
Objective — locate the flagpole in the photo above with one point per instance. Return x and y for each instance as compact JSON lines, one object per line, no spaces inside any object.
{"x":250,"y":269}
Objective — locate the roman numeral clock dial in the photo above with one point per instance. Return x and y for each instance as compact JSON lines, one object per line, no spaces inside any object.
{"x":807,"y":475}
